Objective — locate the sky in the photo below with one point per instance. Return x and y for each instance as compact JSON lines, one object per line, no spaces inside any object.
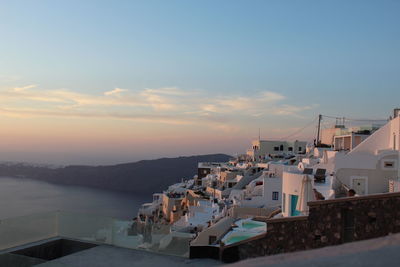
{"x":104,"y":82}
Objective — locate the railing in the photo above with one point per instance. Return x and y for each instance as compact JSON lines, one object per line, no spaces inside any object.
{"x":91,"y":228}
{"x":26,"y":229}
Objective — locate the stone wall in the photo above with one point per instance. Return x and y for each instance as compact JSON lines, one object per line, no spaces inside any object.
{"x":330,"y":222}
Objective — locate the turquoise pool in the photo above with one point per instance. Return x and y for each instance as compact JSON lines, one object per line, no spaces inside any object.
{"x":238,"y":238}
{"x":251,"y":225}
{"x":246,"y":228}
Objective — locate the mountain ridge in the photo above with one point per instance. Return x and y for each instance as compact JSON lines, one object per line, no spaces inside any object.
{"x":141,"y":177}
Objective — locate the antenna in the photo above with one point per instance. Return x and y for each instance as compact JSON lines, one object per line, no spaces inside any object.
{"x":259,"y":134}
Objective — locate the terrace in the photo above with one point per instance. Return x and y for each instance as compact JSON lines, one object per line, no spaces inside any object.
{"x":72,"y":239}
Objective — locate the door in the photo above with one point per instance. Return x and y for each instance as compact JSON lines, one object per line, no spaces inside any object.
{"x":293,"y":205}
{"x":360,"y":185}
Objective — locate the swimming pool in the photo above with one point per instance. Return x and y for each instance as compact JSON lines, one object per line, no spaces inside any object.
{"x":234,"y":239}
{"x":246,"y":228}
{"x":251,"y":224}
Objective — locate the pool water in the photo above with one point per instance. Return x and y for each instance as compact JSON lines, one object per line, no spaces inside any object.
{"x":251,"y":225}
{"x":239,"y":238}
{"x":246,"y":228}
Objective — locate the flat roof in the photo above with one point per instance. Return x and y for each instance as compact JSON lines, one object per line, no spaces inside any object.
{"x":106,"y":256}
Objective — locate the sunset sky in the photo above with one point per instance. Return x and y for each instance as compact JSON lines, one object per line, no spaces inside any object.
{"x":103,"y":82}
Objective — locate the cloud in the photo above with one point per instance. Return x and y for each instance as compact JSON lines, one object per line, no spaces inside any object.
{"x":254,"y":105}
{"x":158,"y":102}
{"x":116,"y":91}
{"x":290,"y":110}
{"x":19,"y":89}
{"x":210,"y":108}
{"x":268,"y":96}
{"x":65,"y":98}
{"x":168,"y":91}
{"x":27,"y":113}
{"x":169,"y":105}
{"x":168,"y":98}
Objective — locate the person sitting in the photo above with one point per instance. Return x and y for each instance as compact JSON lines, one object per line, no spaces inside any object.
{"x":318,"y":195}
{"x":351,"y":193}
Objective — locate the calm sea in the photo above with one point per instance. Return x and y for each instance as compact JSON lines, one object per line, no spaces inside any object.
{"x":20,"y":197}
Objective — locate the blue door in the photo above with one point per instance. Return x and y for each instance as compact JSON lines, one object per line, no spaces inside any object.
{"x":293,"y":205}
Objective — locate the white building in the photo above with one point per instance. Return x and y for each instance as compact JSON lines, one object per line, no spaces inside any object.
{"x":341,"y":138}
{"x":372,"y":164}
{"x":298,"y":189}
{"x":265,"y":191}
{"x":263,"y":148}
{"x":348,"y":141}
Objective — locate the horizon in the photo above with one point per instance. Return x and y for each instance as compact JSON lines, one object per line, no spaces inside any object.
{"x":44,"y":164}
{"x":100,"y":83}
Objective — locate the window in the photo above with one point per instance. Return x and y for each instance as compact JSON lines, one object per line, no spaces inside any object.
{"x":212,"y":239}
{"x":308,"y":171}
{"x":275,"y":195}
{"x":281,"y":148}
{"x":389,"y":164}
{"x":290,"y":148}
{"x":276,"y":148}
{"x":300,"y":148}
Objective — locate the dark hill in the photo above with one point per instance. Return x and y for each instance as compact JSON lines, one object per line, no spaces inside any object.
{"x":142,"y":177}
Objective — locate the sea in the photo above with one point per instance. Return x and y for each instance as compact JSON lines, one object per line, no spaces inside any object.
{"x":20,"y":197}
